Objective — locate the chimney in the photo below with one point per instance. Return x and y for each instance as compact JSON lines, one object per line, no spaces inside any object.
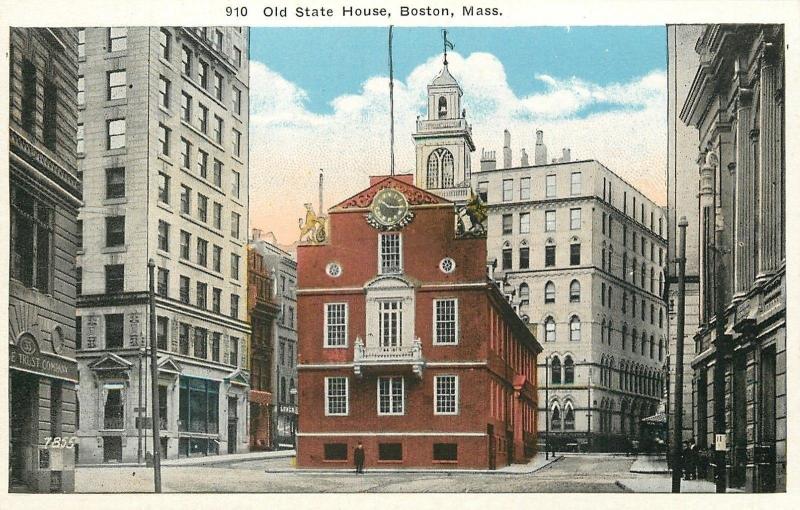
{"x":256,"y":234}
{"x":523,"y":158}
{"x":566,"y":156}
{"x":506,"y":149}
{"x":540,"y":151}
{"x":488,"y":160}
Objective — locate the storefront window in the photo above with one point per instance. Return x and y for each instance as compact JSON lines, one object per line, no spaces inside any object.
{"x":199,"y":405}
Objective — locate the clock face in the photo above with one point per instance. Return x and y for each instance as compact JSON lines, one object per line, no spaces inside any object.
{"x":389,"y":206}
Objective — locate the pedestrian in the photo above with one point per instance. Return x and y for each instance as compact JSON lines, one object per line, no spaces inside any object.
{"x":686,"y":460}
{"x":358,"y":457}
{"x":693,"y":460}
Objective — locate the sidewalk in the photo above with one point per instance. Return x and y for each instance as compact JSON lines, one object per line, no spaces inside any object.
{"x":535,"y":464}
{"x":650,"y":464}
{"x":196,"y":461}
{"x":663,"y":484}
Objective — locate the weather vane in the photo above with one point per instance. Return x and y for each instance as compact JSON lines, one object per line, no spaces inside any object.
{"x":447,"y":44}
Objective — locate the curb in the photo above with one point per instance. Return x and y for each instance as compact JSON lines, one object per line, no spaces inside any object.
{"x":623,"y":486}
{"x":199,"y":461}
{"x":448,"y":472}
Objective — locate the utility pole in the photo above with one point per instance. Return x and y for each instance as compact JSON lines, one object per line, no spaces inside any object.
{"x":151,"y":265}
{"x":677,"y":459}
{"x":546,"y":409}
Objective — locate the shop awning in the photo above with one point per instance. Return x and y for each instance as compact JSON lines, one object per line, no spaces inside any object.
{"x":656,"y":419}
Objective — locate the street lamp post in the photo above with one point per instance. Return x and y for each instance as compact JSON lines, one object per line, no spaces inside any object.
{"x":151,"y":265}
{"x":677,"y":460}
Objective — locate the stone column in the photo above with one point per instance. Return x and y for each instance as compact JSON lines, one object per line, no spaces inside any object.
{"x":769,"y":150}
{"x":743,"y":239}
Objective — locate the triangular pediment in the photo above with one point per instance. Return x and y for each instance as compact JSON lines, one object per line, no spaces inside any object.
{"x":169,"y":366}
{"x":413,"y":194}
{"x":238,"y":378}
{"x":110,"y":361}
{"x":388,"y":282}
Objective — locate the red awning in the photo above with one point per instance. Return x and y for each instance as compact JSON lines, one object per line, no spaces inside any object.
{"x":261,"y":397}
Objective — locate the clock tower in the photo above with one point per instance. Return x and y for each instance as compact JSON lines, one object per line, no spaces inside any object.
{"x":444,"y":141}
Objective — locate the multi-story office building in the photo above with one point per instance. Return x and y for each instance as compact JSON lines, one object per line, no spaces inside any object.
{"x":262,"y":310}
{"x":163,"y":154}
{"x":405,"y":344}
{"x":736,"y":103}
{"x":282,"y":268}
{"x":44,"y":200}
{"x":583,"y":251}
{"x":682,"y":201}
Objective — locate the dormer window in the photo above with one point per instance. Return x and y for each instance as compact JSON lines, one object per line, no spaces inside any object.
{"x":442,"y":107}
{"x":391,"y":261}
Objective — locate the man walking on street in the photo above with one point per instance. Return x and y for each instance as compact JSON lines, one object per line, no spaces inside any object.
{"x":358,"y":457}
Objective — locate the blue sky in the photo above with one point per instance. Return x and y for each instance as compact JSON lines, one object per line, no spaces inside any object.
{"x":330,"y":62}
{"x":319,"y":99}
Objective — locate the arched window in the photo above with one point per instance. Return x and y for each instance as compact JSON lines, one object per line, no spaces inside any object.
{"x":575,"y":329}
{"x":447,"y":170}
{"x":603,"y":259}
{"x":644,"y":342}
{"x":660,"y":317}
{"x":652,"y":279}
{"x":555,"y":418}
{"x":442,"y":107}
{"x":524,"y":294}
{"x":660,"y":283}
{"x":652,"y":346}
{"x":569,"y":370}
{"x":555,"y":370}
{"x":633,"y":271}
{"x":634,"y":337}
{"x":575,"y":291}
{"x":660,"y":349}
{"x":624,"y":336}
{"x":569,"y":417}
{"x":624,"y":302}
{"x":642,"y":275}
{"x":549,"y":330}
{"x":549,"y":292}
{"x":621,"y":375}
{"x":433,"y":170}
{"x":610,"y":328}
{"x":603,"y":331}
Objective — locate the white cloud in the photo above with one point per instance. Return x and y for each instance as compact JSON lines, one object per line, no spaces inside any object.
{"x":289,"y":144}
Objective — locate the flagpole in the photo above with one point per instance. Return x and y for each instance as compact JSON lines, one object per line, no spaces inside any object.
{"x":391,"y":100}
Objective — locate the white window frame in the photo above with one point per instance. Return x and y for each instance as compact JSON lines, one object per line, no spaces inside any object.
{"x":508,"y":193}
{"x":436,"y":395}
{"x":547,"y":226}
{"x":547,"y":186}
{"x":380,"y":251}
{"x":525,"y":185}
{"x":573,"y":189}
{"x":573,"y":219}
{"x":346,"y":396}
{"x":384,"y":315}
{"x":436,"y":322}
{"x":327,"y":344}
{"x":391,"y":396}
{"x":525,"y":227}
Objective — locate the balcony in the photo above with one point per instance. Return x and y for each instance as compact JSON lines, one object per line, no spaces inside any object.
{"x":375,"y":358}
{"x":427,"y":126}
{"x":459,"y":194}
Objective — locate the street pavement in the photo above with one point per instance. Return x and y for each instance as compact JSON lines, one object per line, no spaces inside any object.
{"x":590,"y":473}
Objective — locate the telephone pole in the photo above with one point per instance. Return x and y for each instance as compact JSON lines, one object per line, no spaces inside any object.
{"x":677,"y":439}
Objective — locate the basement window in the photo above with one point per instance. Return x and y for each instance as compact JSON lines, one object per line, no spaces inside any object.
{"x":392,"y":452}
{"x":335,"y":451}
{"x":445,"y":452}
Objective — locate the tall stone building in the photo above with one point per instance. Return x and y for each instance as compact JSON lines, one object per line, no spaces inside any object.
{"x":44,"y":198}
{"x":163,"y":154}
{"x":262,"y":312}
{"x":582,"y":252}
{"x":736,"y":103}
{"x":682,"y":201}
{"x":282,"y":268}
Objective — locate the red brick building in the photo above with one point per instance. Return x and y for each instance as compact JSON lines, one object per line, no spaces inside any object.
{"x":261,"y":313}
{"x":405,"y":344}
